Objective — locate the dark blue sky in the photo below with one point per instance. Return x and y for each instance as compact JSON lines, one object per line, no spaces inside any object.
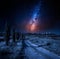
{"x":19,"y":11}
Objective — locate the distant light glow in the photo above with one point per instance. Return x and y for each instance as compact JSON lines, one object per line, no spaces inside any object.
{"x":33,"y":26}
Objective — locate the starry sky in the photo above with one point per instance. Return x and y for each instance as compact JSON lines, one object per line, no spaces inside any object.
{"x":18,"y":12}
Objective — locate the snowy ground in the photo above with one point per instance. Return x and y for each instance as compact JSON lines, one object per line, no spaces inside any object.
{"x":9,"y":52}
{"x":36,"y":51}
{"x":52,"y":45}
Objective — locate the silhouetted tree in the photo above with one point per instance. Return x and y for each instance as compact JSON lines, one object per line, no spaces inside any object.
{"x":17,"y":35}
{"x":14,"y":35}
{"x":7,"y":34}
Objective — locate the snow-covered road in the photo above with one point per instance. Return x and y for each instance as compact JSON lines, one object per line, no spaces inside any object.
{"x":35,"y":52}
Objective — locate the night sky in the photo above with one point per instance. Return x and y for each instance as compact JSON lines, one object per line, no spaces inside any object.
{"x":18,"y":12}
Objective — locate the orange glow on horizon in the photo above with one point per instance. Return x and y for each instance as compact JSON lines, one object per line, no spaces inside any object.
{"x":32,"y":27}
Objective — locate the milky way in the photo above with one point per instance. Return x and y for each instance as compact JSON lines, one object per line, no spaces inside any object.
{"x":33,"y":23}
